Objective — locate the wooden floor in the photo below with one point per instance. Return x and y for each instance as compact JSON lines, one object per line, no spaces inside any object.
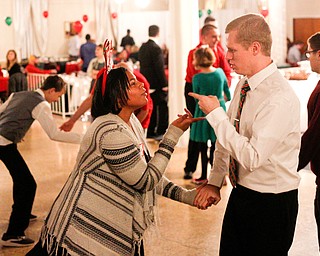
{"x":183,"y":230}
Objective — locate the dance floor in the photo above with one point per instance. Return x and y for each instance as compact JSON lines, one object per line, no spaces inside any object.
{"x":182,"y":230}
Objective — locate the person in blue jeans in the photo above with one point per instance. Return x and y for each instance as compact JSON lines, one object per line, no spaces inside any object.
{"x":209,"y":81}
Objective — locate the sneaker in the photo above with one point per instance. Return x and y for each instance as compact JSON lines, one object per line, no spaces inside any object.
{"x":198,"y":181}
{"x":33,"y":217}
{"x":16,"y":241}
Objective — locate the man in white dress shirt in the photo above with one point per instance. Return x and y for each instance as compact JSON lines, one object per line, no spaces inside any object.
{"x":16,"y":117}
{"x":262,"y":209}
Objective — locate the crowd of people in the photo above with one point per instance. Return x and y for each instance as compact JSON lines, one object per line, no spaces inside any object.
{"x":109,"y":199}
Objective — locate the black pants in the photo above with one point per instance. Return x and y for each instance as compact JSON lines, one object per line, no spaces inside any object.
{"x":258,"y":223}
{"x":317,"y":212}
{"x":160,"y":114}
{"x":194,"y":149}
{"x":24,"y":189}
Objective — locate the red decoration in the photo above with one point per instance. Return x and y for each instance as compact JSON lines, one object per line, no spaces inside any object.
{"x":114,"y":15}
{"x":264,"y":12}
{"x":45,"y":14}
{"x":77,"y":26}
{"x":85,"y":18}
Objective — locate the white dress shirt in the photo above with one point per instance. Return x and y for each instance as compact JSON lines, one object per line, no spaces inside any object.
{"x":42,"y":113}
{"x":268,"y":143}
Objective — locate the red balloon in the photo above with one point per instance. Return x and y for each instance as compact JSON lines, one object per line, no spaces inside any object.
{"x":45,"y":14}
{"x":77,"y":26}
{"x":264,"y":12}
{"x":85,"y":18}
{"x":114,"y":15}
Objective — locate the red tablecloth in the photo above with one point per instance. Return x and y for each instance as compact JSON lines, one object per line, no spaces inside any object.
{"x":72,"y":67}
{"x":4,"y":84}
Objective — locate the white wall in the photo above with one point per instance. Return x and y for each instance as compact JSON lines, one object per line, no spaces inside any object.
{"x":72,"y":10}
{"x":7,"y":35}
{"x":67,"y":10}
{"x":301,"y":9}
{"x":139,"y":22}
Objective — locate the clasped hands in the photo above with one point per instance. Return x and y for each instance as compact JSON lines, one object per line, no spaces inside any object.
{"x":207,"y":195}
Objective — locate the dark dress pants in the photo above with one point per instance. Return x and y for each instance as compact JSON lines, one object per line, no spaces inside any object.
{"x":24,"y":189}
{"x":258,"y":223}
{"x":317,"y":212}
{"x":159,"y":120}
{"x":193,"y":151}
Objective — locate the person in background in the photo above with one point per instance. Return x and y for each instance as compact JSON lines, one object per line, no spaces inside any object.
{"x":87,"y":52}
{"x":209,"y":36}
{"x":74,"y":44}
{"x":294,"y":53}
{"x":121,"y":57}
{"x":16,"y":117}
{"x":96,"y":64}
{"x":310,"y":150}
{"x":134,"y":54}
{"x":209,"y":81}
{"x":144,"y":111}
{"x":127,"y":40}
{"x":31,"y":67}
{"x":152,"y":67}
{"x":109,"y":199}
{"x":17,"y":80}
{"x":12,"y":63}
{"x":258,"y":142}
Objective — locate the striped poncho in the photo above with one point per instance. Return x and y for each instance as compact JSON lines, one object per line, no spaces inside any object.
{"x":107,"y":202}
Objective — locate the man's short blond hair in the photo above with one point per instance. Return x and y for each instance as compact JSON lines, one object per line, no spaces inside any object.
{"x":252,"y":28}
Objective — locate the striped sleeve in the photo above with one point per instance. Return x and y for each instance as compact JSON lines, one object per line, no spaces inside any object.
{"x":126,"y":160}
{"x":168,"y":189}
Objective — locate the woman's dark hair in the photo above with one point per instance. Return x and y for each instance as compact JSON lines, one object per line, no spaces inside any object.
{"x":55,"y":82}
{"x":114,"y":96}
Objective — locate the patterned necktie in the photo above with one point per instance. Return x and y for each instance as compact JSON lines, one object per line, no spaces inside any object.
{"x":233,"y":166}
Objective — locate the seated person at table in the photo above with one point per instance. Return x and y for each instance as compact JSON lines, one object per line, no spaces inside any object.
{"x":31,"y":67}
{"x":17,"y":80}
{"x":121,"y":56}
{"x":96,"y":64}
{"x":294,"y":53}
{"x":12,"y":63}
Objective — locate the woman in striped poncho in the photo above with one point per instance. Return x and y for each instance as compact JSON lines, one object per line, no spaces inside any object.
{"x":108,"y":201}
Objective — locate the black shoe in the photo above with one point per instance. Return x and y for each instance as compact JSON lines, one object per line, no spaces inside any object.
{"x":33,"y":217}
{"x":151,"y":135}
{"x":158,"y":137}
{"x":187,"y":175}
{"x":16,"y":241}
